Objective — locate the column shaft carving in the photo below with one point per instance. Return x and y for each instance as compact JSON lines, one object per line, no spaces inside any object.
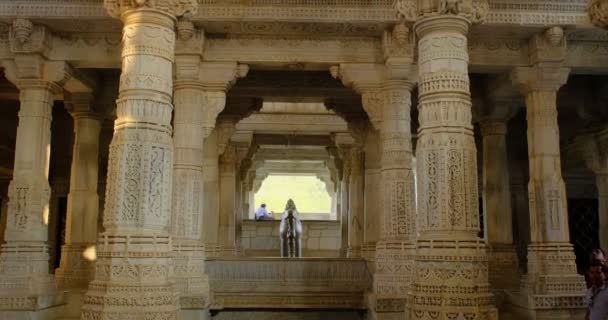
{"x":78,"y":254}
{"x":395,"y":249}
{"x":134,"y":263}
{"x":24,"y":257}
{"x":373,"y":194}
{"x":450,"y":278}
{"x":355,"y":202}
{"x":188,"y":196}
{"x":502,"y":257}
{"x":211,"y":195}
{"x":227,"y":191}
{"x":344,"y":199}
{"x":551,"y":261}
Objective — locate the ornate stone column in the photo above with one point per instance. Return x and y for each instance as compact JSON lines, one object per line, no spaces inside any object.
{"x":502,"y":258}
{"x":27,"y":289}
{"x":395,"y":248}
{"x":227,"y":221}
{"x":78,"y":254}
{"x":344,"y":198}
{"x":134,"y":261}
{"x":373,"y":193}
{"x":596,"y":159}
{"x":552,"y":276}
{"x":199,"y":96}
{"x":355,"y":202}
{"x":25,"y":282}
{"x":451,"y":268}
{"x":211,"y":197}
{"x":386,"y":96}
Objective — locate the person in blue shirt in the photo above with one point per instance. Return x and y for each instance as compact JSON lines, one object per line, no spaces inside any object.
{"x":262,"y":214}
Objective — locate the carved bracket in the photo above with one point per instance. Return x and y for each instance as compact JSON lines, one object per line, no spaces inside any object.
{"x":190,"y":40}
{"x":398,"y":46}
{"x":226,"y":127}
{"x":598,"y":13}
{"x":173,"y":7}
{"x":25,"y":37}
{"x":549,"y":46}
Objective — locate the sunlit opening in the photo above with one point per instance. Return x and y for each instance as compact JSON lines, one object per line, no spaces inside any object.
{"x":308,"y":192}
{"x":90,"y":253}
{"x":45,"y":215}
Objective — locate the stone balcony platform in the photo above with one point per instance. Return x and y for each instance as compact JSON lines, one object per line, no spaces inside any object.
{"x":288,"y":283}
{"x":320,"y":238}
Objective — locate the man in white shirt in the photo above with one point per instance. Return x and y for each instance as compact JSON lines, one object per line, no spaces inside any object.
{"x":262,"y":214}
{"x":597,"y":295}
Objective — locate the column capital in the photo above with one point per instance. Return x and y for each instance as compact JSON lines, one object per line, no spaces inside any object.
{"x":598,"y":13}
{"x":191,"y":72}
{"x":176,"y":8}
{"x":33,"y":70}
{"x":539,"y":78}
{"x":360,"y":77}
{"x":493,"y":127}
{"x":495,"y":110}
{"x":81,"y":105}
{"x":473,"y":10}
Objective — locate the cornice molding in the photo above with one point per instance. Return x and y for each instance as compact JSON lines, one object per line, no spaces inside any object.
{"x":517,"y":12}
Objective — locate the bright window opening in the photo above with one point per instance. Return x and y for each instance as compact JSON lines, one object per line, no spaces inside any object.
{"x":309,"y":194}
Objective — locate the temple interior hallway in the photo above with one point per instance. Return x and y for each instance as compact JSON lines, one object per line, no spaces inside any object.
{"x":456,"y":153}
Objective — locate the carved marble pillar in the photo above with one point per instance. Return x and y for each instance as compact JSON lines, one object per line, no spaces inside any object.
{"x":451,"y":268}
{"x":395,"y":249}
{"x":199,"y":96}
{"x":78,"y":254}
{"x":551,"y":262}
{"x":228,"y":190}
{"x":355,"y":202}
{"x":596,"y":159}
{"x":344,"y":196}
{"x":502,"y":258}
{"x":373,"y":193}
{"x":211,"y":198}
{"x":24,"y":256}
{"x":134,"y":261}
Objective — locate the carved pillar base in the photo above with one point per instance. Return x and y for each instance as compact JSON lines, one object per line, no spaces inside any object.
{"x":25,"y":288}
{"x":552,"y":289}
{"x":190,"y":277}
{"x":392,"y":277}
{"x":131,"y":279}
{"x":77,"y":266}
{"x":503,"y":272}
